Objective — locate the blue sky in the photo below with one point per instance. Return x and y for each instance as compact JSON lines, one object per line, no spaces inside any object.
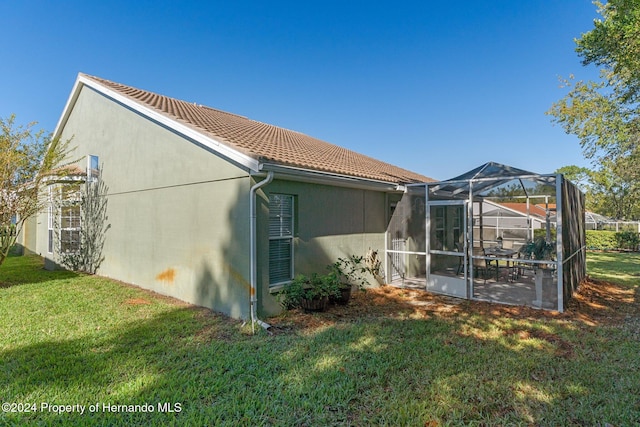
{"x":435,"y":87}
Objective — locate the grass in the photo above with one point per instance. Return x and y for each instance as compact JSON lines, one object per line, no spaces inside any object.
{"x":69,"y":339}
{"x":619,"y":267}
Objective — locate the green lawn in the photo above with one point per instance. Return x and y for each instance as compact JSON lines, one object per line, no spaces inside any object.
{"x":69,"y":339}
{"x":623,"y":268}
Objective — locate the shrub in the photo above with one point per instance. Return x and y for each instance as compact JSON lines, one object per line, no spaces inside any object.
{"x":540,"y":249}
{"x":628,"y":240}
{"x":308,"y":288}
{"x":607,"y":240}
{"x":542,"y":232}
{"x":353,"y":270}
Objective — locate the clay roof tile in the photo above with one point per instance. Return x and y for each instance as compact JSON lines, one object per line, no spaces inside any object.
{"x":267,"y":143}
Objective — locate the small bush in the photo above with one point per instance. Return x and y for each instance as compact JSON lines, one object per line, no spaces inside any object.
{"x":311,"y":287}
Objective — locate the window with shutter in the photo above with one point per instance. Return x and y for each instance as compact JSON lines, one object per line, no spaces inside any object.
{"x":280,"y":238}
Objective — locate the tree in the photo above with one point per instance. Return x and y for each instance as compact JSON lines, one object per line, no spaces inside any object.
{"x":27,"y":158}
{"x":81,"y":249}
{"x":609,"y":189}
{"x":605,"y":114}
{"x":613,"y":193}
{"x":580,"y":176}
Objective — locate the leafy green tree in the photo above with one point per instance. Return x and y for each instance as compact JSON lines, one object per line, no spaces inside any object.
{"x":609,"y":189}
{"x":580,"y":176}
{"x":613,"y":194}
{"x":27,"y":158}
{"x":605,"y":114}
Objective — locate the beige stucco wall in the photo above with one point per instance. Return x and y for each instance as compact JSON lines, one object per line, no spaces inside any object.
{"x":26,"y":238}
{"x":178,"y":213}
{"x":331,"y":222}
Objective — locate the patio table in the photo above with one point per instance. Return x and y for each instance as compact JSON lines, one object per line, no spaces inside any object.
{"x":500,"y":254}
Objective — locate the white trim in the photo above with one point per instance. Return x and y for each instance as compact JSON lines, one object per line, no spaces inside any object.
{"x":208,"y":142}
{"x":392,"y":251}
{"x":73,"y":97}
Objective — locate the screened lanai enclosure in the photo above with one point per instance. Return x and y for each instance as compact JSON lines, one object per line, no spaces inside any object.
{"x":442,"y":238}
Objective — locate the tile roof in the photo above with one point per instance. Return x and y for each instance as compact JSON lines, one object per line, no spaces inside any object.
{"x":536,"y":210}
{"x":266,"y":143}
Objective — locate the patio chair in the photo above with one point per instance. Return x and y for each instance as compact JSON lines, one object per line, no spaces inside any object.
{"x":480,"y":264}
{"x":459,"y":248}
{"x":519,"y":267}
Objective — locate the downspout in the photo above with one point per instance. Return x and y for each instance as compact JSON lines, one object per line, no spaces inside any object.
{"x":254,"y":250}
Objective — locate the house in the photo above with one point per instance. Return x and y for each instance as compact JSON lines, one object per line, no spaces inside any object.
{"x":514,"y":222}
{"x":211,"y":207}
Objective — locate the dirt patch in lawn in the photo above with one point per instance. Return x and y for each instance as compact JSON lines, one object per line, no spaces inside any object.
{"x":137,"y":301}
{"x":596,"y":303}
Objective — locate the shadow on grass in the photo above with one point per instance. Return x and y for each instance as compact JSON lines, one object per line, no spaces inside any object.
{"x":135,"y":366}
{"x":385,"y":359}
{"x":458,"y":369}
{"x":478,"y":363}
{"x":623,"y":268}
{"x":24,"y":269}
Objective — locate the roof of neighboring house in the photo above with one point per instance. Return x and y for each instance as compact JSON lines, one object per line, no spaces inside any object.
{"x":67,"y":171}
{"x":594,"y":218}
{"x":552,"y":206}
{"x":534,"y":210}
{"x":264,"y":143}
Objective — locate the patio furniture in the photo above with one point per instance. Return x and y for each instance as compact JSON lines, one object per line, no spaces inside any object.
{"x":459,"y":248}
{"x":521,"y":265}
{"x":480,"y":264}
{"x":500,"y":254}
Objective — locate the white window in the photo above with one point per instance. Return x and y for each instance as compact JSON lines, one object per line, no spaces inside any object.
{"x":93,"y":168}
{"x":280,"y":238}
{"x":70,"y":223}
{"x":50,"y":220}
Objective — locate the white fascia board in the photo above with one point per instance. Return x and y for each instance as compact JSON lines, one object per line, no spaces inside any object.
{"x":291,"y":173}
{"x":67,"y":108}
{"x":234,"y":155}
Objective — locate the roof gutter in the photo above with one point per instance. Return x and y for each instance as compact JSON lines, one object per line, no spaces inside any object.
{"x":254,"y":251}
{"x":329,"y":178}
